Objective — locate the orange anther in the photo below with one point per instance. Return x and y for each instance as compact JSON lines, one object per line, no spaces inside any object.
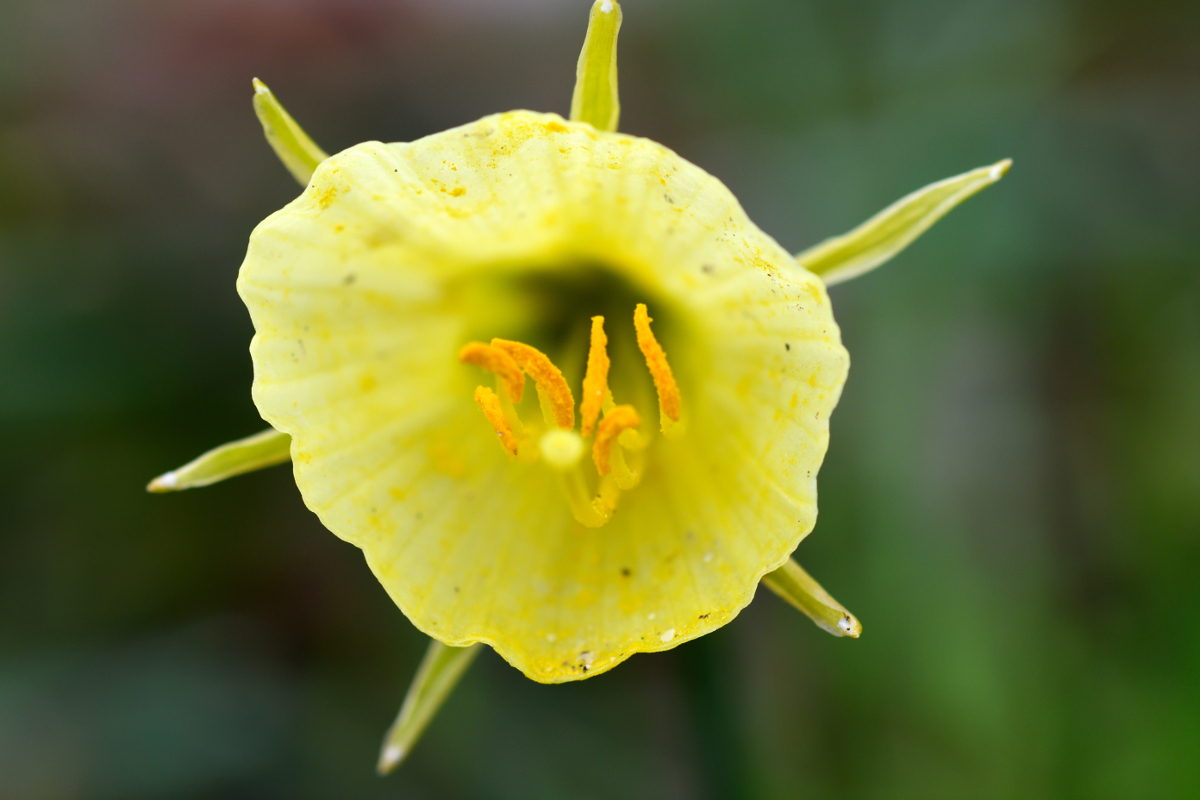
{"x":495,"y":360}
{"x":552,"y":386}
{"x":595,"y":379}
{"x":660,"y":370}
{"x":621,"y":418}
{"x":489,"y":404}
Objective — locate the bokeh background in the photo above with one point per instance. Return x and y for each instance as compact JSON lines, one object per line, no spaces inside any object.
{"x":1011,"y":502}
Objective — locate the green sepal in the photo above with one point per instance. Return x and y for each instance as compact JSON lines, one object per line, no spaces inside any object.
{"x":595,"y":99}
{"x":261,"y":450}
{"x":289,"y":141}
{"x":893,"y":229}
{"x":440,"y":671}
{"x":797,"y":587}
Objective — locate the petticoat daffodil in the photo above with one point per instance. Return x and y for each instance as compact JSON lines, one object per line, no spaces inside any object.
{"x":565,"y":396}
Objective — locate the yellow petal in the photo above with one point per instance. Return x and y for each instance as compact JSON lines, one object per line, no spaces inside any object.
{"x":362,"y":292}
{"x":896,"y":227}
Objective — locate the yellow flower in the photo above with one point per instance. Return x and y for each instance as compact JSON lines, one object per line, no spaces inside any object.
{"x":427,"y":314}
{"x":495,"y":525}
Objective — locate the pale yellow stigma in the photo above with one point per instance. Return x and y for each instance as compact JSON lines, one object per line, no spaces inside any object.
{"x":660,"y":371}
{"x":595,"y":380}
{"x":558,"y":404}
{"x":561,"y":449}
{"x":489,"y":404}
{"x":495,"y":360}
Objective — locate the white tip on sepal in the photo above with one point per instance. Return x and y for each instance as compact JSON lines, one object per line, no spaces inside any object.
{"x":245,"y":455}
{"x":596,"y":99}
{"x":877,"y":240}
{"x":163,"y":483}
{"x":439,"y":673}
{"x":291,"y":144}
{"x":797,"y":587}
{"x":389,"y":759}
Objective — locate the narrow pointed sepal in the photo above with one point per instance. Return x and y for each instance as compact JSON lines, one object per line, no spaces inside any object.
{"x":440,"y":671}
{"x":289,"y":141}
{"x":261,"y":450}
{"x":595,"y":100}
{"x":797,"y":587}
{"x":893,"y":229}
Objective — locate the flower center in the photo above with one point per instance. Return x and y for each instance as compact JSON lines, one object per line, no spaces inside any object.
{"x":618,"y":443}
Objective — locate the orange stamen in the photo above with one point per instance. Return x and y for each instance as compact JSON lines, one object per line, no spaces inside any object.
{"x":621,"y":418}
{"x":489,"y":404}
{"x":495,"y":360}
{"x":595,"y":379}
{"x":660,"y":370}
{"x":552,"y":386}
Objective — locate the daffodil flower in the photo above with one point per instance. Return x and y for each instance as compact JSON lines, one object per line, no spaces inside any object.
{"x":566,"y":397}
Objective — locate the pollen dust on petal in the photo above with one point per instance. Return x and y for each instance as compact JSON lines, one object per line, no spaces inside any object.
{"x":326,"y":191}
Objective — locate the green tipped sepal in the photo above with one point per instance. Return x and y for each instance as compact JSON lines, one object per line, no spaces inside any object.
{"x":893,"y":229}
{"x":797,"y":587}
{"x":289,"y":141}
{"x":595,"y":100}
{"x":440,"y":671}
{"x":261,"y":450}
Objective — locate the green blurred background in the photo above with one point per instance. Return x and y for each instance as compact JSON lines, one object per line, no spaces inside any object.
{"x":1011,"y":502}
